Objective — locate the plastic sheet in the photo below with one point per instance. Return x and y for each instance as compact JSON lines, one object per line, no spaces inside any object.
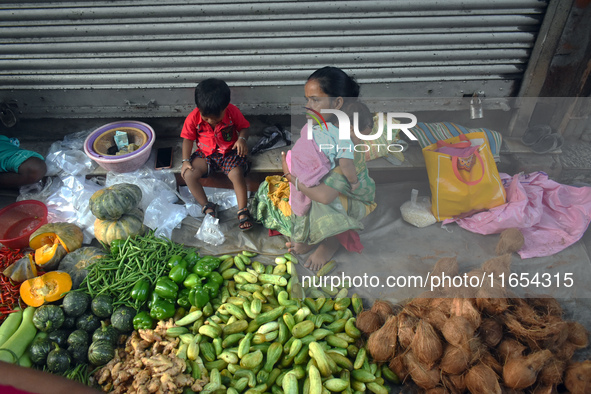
{"x":273,"y":137}
{"x":210,"y":231}
{"x":164,"y":217}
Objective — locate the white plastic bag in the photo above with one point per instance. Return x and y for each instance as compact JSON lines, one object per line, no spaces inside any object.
{"x":164,"y":217}
{"x":210,"y":232}
{"x":417,"y":211}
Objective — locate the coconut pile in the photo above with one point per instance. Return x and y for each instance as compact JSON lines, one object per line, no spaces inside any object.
{"x":483,"y":340}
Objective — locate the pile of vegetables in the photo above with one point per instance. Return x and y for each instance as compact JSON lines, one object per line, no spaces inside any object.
{"x":257,"y":333}
{"x":453,"y":340}
{"x":77,"y":332}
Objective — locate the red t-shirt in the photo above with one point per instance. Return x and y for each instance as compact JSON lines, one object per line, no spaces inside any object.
{"x":219,"y":139}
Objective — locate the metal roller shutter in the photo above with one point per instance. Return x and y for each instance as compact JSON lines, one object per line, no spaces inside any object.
{"x":108,"y":58}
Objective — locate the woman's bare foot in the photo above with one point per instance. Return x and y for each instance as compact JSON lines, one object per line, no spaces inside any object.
{"x":323,"y":253}
{"x":298,"y":247}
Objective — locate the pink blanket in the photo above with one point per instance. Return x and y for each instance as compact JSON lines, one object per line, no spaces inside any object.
{"x":309,"y":165}
{"x":551,"y":216}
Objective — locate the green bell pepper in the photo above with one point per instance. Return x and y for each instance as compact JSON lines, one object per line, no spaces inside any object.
{"x":166,"y":288}
{"x":116,"y":246}
{"x":183,"y":299}
{"x":198,"y":297}
{"x":192,"y":280}
{"x":162,"y":310}
{"x":178,"y":273}
{"x":191,"y":258}
{"x":141,"y":290}
{"x":176,"y":260}
{"x":143,"y":320}
{"x":215,"y":277}
{"x":202,"y":269}
{"x":211,"y":260}
{"x":153,"y":298}
{"x":212,"y":288}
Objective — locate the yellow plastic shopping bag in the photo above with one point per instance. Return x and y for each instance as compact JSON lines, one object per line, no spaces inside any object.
{"x":463,"y":176}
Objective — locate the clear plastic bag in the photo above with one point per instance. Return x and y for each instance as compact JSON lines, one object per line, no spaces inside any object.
{"x":153,"y":183}
{"x":417,"y":211}
{"x":210,"y":231}
{"x":68,"y":157}
{"x":164,"y":217}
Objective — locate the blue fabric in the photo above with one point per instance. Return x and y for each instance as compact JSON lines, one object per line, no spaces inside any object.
{"x":11,"y":156}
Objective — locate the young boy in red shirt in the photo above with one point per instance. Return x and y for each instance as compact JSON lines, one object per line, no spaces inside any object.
{"x":220,"y":131}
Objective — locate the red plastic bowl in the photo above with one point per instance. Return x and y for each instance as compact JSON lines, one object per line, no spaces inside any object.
{"x":19,"y":220}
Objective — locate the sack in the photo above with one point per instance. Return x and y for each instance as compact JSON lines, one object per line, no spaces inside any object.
{"x":463,"y":176}
{"x":417,"y":211}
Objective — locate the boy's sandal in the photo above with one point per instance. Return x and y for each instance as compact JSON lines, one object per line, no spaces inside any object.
{"x":210,"y":206}
{"x":246,"y":223}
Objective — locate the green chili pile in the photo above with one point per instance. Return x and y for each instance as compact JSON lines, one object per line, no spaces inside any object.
{"x":142,"y":257}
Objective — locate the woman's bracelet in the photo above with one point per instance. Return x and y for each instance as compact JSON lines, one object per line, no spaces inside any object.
{"x":296,"y":184}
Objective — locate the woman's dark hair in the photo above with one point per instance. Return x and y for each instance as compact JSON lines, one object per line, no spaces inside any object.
{"x":335,"y":82}
{"x":365,"y":117}
{"x":212,"y":96}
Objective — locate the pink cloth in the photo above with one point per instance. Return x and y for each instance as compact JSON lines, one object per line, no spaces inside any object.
{"x":351,"y":241}
{"x":551,"y":216}
{"x":309,"y":165}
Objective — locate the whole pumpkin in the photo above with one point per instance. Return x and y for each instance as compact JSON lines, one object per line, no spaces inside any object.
{"x":76,"y":263}
{"x":128,"y":225}
{"x":114,"y":201}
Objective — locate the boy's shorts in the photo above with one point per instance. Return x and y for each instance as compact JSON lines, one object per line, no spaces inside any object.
{"x":216,"y":162}
{"x":11,"y":156}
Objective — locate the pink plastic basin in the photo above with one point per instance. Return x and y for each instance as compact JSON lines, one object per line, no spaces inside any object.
{"x":124,"y":163}
{"x":19,"y":221}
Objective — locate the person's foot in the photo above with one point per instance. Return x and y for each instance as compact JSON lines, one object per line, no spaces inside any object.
{"x":323,"y":253}
{"x":244,"y":219}
{"x":298,"y":247}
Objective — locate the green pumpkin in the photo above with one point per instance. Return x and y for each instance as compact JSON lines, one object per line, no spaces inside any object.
{"x":48,"y":318}
{"x":114,"y":201}
{"x":100,"y":352}
{"x":128,"y":225}
{"x":122,"y":318}
{"x":75,"y":303}
{"x":60,"y":336}
{"x":78,"y":354}
{"x":76,"y":263}
{"x":88,"y":322}
{"x":69,"y":323}
{"x":78,"y":338}
{"x":39,"y":350}
{"x":102,"y":306}
{"x":106,"y":333}
{"x":58,"y":360}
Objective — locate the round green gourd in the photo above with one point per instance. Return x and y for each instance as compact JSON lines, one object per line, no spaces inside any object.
{"x":102,"y":306}
{"x":60,"y":337}
{"x":48,"y":318}
{"x":39,"y":350}
{"x":78,"y":354}
{"x":128,"y":225}
{"x":88,"y":322}
{"x":122,"y":318}
{"x":100,"y":352}
{"x":106,"y":333}
{"x":75,"y":303}
{"x":69,"y":323}
{"x":77,"y":262}
{"x":58,"y":360}
{"x":78,"y":338}
{"x":114,"y":201}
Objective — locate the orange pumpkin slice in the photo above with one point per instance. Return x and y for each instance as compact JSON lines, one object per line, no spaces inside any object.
{"x":49,"y":287}
{"x":48,"y":257}
{"x":69,"y":234}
